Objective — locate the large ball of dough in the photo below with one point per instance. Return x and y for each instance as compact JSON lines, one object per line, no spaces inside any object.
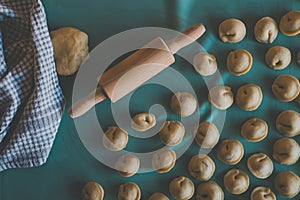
{"x":70,"y":49}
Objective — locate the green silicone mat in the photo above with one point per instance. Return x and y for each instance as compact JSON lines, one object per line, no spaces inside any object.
{"x":70,"y":165}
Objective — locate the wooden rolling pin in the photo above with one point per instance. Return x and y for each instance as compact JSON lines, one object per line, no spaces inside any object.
{"x":136,"y":69}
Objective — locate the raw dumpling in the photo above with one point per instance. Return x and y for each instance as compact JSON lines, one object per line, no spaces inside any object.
{"x":230,"y":151}
{"x":209,"y":191}
{"x":239,"y":62}
{"x":232,"y":30}
{"x":286,"y":88}
{"x":205,"y":63}
{"x":92,"y":191}
{"x":287,"y":184}
{"x":127,"y":165}
{"x":164,"y":160}
{"x":266,"y":30}
{"x":70,"y":47}
{"x":207,"y":135}
{"x":236,"y":181}
{"x":143,"y":121}
{"x":201,"y":167}
{"x":172,"y":133}
{"x":262,"y":193}
{"x":286,"y":151}
{"x":181,"y":188}
{"x":129,"y":191}
{"x":288,"y":123}
{"x":158,"y":196}
{"x":260,"y":165}
{"x":115,"y":138}
{"x":183,"y":104}
{"x":278,"y":57}
{"x":221,"y":97}
{"x":254,"y":130}
{"x":290,"y":23}
{"x":249,"y":97}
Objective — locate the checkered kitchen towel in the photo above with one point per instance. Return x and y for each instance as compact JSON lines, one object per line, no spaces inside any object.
{"x":31,"y":101}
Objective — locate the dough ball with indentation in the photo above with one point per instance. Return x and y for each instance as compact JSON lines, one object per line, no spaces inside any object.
{"x":254,"y":130}
{"x":209,"y":191}
{"x":205,"y":63}
{"x":92,"y":191}
{"x":249,"y":97}
{"x":207,"y":135}
{"x":286,"y":151}
{"x":288,"y":123}
{"x":260,"y":165}
{"x":163,"y":160}
{"x":239,"y":62}
{"x":236,"y":181}
{"x":221,"y":97}
{"x":70,"y":47}
{"x":286,"y":88}
{"x":287,"y":184}
{"x":127,"y":165}
{"x":230,"y":151}
{"x":232,"y":30}
{"x":181,"y":188}
{"x":143,"y":121}
{"x":115,"y":138}
{"x":278,"y":57}
{"x":262,"y":193}
{"x":266,"y":30}
{"x":290,"y":23}
{"x":172,"y":133}
{"x":158,"y":196}
{"x":201,"y":167}
{"x":183,"y":104}
{"x":129,"y":191}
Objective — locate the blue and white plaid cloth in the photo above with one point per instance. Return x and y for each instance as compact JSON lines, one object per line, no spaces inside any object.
{"x":31,"y":100}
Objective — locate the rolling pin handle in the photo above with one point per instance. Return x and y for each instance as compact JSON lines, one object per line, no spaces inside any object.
{"x":85,"y":104}
{"x":187,"y":37}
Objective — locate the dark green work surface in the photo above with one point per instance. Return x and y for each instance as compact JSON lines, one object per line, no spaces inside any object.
{"x":70,"y":165}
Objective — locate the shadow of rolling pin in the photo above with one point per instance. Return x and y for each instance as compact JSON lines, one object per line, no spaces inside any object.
{"x":136,"y":69}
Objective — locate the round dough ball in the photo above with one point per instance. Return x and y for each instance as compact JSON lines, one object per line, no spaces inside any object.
{"x":143,"y":121}
{"x":249,"y":97}
{"x":286,"y":88}
{"x":287,"y":184}
{"x":209,"y":191}
{"x":221,"y":97}
{"x":278,"y":57}
{"x":286,"y":151}
{"x":290,"y":23}
{"x":158,"y":196}
{"x":201,"y":167}
{"x":164,"y":160}
{"x":239,"y":62}
{"x":266,"y":30}
{"x":127,"y":165}
{"x":172,"y":133}
{"x":288,"y":123}
{"x":181,"y":188}
{"x":260,"y":165}
{"x":298,"y":57}
{"x":205,"y":63}
{"x":230,"y":151}
{"x":232,"y":30}
{"x":115,"y":138}
{"x":236,"y":181}
{"x":262,"y":193}
{"x":183,"y":104}
{"x":129,"y":191}
{"x":92,"y":191}
{"x":207,"y":135}
{"x":70,"y":47}
{"x":254,"y":130}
